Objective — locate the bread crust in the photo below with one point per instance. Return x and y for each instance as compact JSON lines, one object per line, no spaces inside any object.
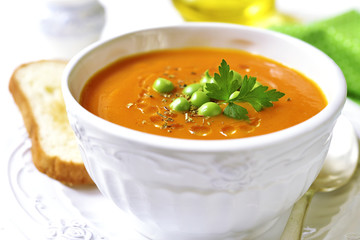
{"x":69,"y":173}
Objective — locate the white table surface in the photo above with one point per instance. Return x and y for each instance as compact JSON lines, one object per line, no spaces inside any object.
{"x":21,"y":41}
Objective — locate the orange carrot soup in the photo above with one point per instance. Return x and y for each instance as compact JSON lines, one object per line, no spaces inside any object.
{"x":202,"y":93}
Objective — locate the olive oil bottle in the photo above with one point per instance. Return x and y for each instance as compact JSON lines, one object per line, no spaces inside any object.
{"x":247,"y":12}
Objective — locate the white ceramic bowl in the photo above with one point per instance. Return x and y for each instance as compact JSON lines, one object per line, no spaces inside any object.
{"x":195,"y":189}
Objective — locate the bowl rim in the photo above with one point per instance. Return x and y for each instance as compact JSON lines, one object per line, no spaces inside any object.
{"x":330,"y":112}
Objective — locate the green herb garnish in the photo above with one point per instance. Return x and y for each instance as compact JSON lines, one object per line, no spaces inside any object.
{"x":232,"y":90}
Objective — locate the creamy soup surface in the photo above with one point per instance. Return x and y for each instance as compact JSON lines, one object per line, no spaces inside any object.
{"x":122,"y":93}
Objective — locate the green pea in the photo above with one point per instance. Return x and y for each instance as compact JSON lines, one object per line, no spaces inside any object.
{"x":234,"y":95}
{"x":236,"y":75}
{"x":256,"y":84}
{"x":206,"y":78}
{"x":190,"y":89}
{"x":209,"y":109}
{"x":199,"y":98}
{"x":162,"y":85}
{"x":180,"y":104}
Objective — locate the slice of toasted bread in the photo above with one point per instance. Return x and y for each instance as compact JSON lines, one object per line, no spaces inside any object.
{"x":36,"y":89}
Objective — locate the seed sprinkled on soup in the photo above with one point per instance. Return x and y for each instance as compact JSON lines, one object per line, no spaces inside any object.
{"x":202,"y":93}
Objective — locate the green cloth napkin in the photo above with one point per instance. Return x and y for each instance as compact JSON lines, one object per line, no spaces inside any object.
{"x":339,"y":38}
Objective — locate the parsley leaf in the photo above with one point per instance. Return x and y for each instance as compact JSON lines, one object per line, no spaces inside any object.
{"x":225,"y":83}
{"x":235,"y":111}
{"x":247,"y":89}
{"x":258,"y":97}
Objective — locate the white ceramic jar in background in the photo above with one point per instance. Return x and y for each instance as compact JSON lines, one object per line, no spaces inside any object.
{"x":196,"y":189}
{"x":70,"y":25}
